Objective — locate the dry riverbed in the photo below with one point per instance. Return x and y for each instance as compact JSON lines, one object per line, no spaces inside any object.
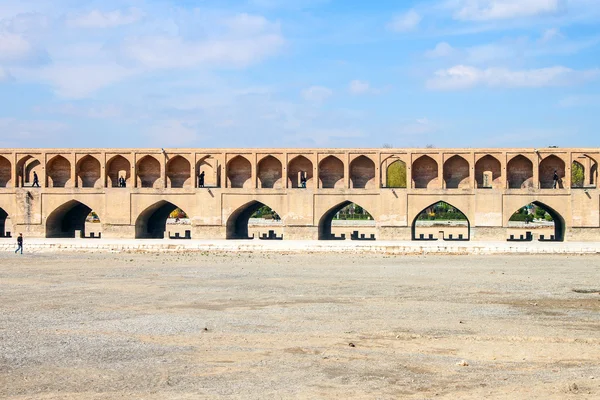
{"x":252,"y":326}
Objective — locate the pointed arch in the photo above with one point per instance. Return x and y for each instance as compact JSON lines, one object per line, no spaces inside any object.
{"x":453,"y":213}
{"x":212,"y":171}
{"x":3,"y":220}
{"x":148,"y":172}
{"x":237,"y":223}
{"x":239,"y":172}
{"x":577,"y":175}
{"x":88,"y":172}
{"x":117,"y":167}
{"x":300,"y":166}
{"x":548,"y":166}
{"x":66,"y":219}
{"x":179,"y":173}
{"x":396,"y":175}
{"x":270,"y":172}
{"x":152,"y":222}
{"x":456,"y":173}
{"x":26,"y":166}
{"x":331,"y":173}
{"x":326,"y":220}
{"x":425,"y":172}
{"x":58,"y":171}
{"x":362,"y":173}
{"x":559,"y":221}
{"x":519,"y":172}
{"x":488,"y":172}
{"x":5,"y":172}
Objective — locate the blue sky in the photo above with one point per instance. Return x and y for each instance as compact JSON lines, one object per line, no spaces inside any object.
{"x":300,"y":73}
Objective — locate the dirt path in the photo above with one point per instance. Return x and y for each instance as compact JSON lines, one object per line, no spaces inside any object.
{"x":123,"y":326}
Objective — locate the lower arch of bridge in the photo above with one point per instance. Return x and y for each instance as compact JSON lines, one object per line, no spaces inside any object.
{"x":559,"y":223}
{"x":442,"y":226}
{"x":66,"y":219}
{"x":237,"y":224}
{"x":152,"y":222}
{"x":3,"y":217}
{"x":325,"y":223}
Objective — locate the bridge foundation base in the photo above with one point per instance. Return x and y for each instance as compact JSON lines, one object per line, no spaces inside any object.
{"x":393,"y":233}
{"x":301,"y":233}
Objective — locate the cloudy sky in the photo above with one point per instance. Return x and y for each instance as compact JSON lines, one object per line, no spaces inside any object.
{"x":299,"y":73}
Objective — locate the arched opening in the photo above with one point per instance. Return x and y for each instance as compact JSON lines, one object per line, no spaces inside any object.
{"x":425,"y":173}
{"x":5,"y":225}
{"x":441,"y":221}
{"x":362,"y":173}
{"x":456,"y":173}
{"x":179,"y":172}
{"x":58,"y":171}
{"x":5,"y":174}
{"x":593,"y":179}
{"x":577,"y":175}
{"x":300,"y":167}
{"x":548,"y":167}
{"x":488,"y":172}
{"x":270,"y":173}
{"x":520,"y":173}
{"x":161,"y":217}
{"x":347,"y":220}
{"x":148,"y":172}
{"x":396,"y":175}
{"x":536,"y":220}
{"x":208,"y":172}
{"x":118,"y":167}
{"x":255,"y":219}
{"x":88,"y":172}
{"x":73,"y":219}
{"x":239,"y":173}
{"x":331,"y":173}
{"x":26,"y":167}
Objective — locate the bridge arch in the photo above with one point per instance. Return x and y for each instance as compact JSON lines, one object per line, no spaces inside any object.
{"x":331,"y":173}
{"x":300,"y":166}
{"x":179,"y":173}
{"x":559,"y":221}
{"x":462,"y":234}
{"x":211,"y":169}
{"x":26,"y":166}
{"x":116,"y":167}
{"x":425,"y":173}
{"x":547,"y":167}
{"x":270,"y":172}
{"x":88,"y":172}
{"x":66,"y":219}
{"x":395,"y":173}
{"x":58,"y":171}
{"x":456,"y":173}
{"x":237,"y":223}
{"x":152,"y":221}
{"x":148,"y":172}
{"x":519,"y":172}
{"x":326,"y":220}
{"x":362,"y":173}
{"x":3,"y":220}
{"x":239,"y":172}
{"x":5,"y":172}
{"x":488,"y":172}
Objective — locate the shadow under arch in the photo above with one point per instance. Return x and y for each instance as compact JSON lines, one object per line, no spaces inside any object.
{"x":413,"y":228}
{"x":152,"y":222}
{"x":326,"y":220}
{"x":559,"y":222}
{"x":66,"y":219}
{"x":3,"y":217}
{"x":237,"y":223}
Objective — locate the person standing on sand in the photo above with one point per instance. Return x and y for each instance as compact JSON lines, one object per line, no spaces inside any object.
{"x":19,"y":243}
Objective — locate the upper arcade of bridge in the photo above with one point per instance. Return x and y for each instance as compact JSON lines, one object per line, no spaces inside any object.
{"x":292,"y":168}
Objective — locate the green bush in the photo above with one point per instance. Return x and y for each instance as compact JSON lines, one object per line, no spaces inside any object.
{"x":396,"y":175}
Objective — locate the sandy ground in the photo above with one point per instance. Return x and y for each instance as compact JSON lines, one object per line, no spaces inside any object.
{"x":248,"y":326}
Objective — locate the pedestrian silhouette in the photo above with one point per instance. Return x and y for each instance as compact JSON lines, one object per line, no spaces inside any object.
{"x":555,"y":179}
{"x":201,"y":179}
{"x":19,"y":243}
{"x":36,"y":181}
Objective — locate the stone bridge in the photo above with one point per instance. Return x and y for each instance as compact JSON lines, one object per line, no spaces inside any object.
{"x":393,"y":185}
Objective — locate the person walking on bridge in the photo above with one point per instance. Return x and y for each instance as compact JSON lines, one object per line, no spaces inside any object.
{"x":36,"y":181}
{"x":19,"y":243}
{"x":555,"y":179}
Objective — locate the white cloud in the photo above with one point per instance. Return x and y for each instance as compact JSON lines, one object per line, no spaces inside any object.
{"x":359,"y":87}
{"x":99,"y":19}
{"x":316,"y":94}
{"x":442,"y":49}
{"x":247,"y":40}
{"x":550,"y":34}
{"x":405,"y":22}
{"x":4,"y":75}
{"x":420,"y":126}
{"x":165,"y":132}
{"x":485,"y":10}
{"x":464,"y":77}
